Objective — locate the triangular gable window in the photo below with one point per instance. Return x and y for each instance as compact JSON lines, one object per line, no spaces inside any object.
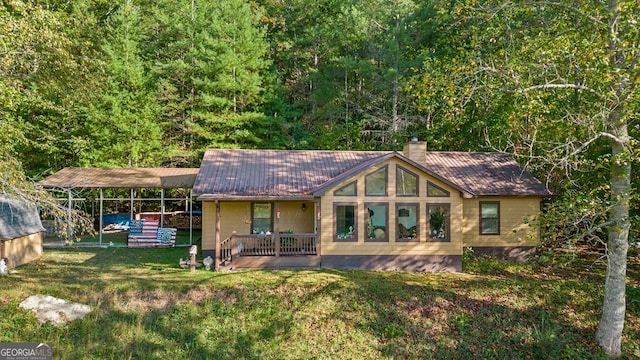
{"x":347,"y":190}
{"x":434,"y":190}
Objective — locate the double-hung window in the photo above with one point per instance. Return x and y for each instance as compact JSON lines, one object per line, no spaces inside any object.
{"x":262,"y":218}
{"x":489,"y":218}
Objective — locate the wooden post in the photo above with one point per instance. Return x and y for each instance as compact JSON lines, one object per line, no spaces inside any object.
{"x":276,"y":229}
{"x":318,"y":216}
{"x":193,"y":251}
{"x":218,"y":250}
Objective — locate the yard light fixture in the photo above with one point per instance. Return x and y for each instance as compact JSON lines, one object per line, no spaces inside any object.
{"x":304,"y":207}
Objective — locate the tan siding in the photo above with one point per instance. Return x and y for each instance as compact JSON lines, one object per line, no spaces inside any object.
{"x":513,"y":228}
{"x":208,"y":225}
{"x":23,"y":249}
{"x":293,"y":218}
{"x":232,"y":218}
{"x":236,"y":216}
{"x":422,"y":247}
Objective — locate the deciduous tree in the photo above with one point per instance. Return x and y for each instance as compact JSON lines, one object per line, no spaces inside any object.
{"x":565,"y":75}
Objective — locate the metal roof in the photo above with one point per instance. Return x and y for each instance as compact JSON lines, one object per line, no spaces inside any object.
{"x":18,"y":218}
{"x":230,"y":173}
{"x":226,"y":173}
{"x":485,"y":173}
{"x":237,"y":174}
{"x":121,"y":178}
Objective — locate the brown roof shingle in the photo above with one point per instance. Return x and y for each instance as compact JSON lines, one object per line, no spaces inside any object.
{"x":485,"y":174}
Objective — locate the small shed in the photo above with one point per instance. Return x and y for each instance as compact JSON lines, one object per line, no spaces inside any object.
{"x":21,"y":231}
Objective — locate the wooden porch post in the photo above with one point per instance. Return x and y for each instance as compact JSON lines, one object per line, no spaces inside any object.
{"x":218,"y":250}
{"x":318,"y":216}
{"x":276,"y":229}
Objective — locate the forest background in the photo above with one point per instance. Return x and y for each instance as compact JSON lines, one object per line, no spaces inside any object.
{"x":555,"y":84}
{"x":155,"y":83}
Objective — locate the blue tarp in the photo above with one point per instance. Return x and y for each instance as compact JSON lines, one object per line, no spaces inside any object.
{"x":118,"y":219}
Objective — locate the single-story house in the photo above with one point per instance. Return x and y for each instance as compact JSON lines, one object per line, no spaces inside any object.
{"x":21,"y":231}
{"x":409,"y":210}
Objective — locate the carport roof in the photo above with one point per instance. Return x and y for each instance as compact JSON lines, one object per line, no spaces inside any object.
{"x":121,"y":178}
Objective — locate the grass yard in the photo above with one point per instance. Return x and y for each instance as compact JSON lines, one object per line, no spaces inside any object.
{"x":145,"y":307}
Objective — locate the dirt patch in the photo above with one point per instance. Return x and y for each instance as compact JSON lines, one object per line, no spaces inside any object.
{"x":160,"y":300}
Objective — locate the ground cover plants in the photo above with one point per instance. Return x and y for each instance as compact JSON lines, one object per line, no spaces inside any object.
{"x":146,"y":307}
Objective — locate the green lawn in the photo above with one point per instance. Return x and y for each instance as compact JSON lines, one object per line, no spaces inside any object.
{"x":145,"y":307}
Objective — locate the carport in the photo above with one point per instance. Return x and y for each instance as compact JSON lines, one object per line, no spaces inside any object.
{"x":72,"y":179}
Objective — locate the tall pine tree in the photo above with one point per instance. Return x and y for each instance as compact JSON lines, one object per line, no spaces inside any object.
{"x":122,"y":126}
{"x":211,"y":63}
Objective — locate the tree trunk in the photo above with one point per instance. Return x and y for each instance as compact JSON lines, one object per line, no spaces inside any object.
{"x":609,"y":333}
{"x":396,"y":80}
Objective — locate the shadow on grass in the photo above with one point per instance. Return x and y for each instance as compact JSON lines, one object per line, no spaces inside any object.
{"x":148,"y":308}
{"x":446,"y":321}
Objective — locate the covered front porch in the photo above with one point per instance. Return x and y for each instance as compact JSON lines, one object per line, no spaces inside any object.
{"x":262,"y":233}
{"x":269,"y":251}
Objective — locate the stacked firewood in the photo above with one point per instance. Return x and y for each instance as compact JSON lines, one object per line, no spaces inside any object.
{"x":181,"y":221}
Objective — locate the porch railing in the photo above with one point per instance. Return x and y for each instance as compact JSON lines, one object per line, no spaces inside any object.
{"x":298,"y":244}
{"x":267,"y":245}
{"x":225,"y":250}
